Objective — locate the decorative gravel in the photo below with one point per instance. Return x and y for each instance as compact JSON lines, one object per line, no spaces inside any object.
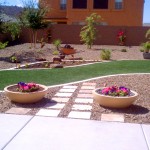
{"x":29,"y":55}
{"x":139,"y":112}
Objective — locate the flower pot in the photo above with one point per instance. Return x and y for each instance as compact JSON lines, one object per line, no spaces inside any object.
{"x":146,"y":55}
{"x":68,"y":51}
{"x":30,"y":97}
{"x":114,"y":101}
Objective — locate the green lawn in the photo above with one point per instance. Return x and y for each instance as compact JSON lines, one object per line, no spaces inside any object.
{"x":59,"y":76}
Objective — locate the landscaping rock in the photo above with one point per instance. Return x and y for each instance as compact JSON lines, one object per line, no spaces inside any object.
{"x":56,"y":66}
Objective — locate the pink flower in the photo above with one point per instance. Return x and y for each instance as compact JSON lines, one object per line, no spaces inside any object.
{"x":26,"y":88}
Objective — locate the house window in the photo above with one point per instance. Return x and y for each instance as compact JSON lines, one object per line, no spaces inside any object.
{"x":100,"y":4}
{"x":118,"y":4}
{"x":79,"y":4}
{"x":63,"y":4}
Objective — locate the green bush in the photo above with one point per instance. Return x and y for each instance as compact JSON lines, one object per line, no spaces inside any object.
{"x":55,"y":52}
{"x":141,"y":50}
{"x":146,"y":46}
{"x":123,"y":50}
{"x":13,"y":28}
{"x":105,"y":54}
{"x":3,"y":45}
{"x":57,"y":44}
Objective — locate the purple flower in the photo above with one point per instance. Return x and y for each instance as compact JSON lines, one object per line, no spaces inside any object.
{"x":27,"y":87}
{"x":116,"y":91}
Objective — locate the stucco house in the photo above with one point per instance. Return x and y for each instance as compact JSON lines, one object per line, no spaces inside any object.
{"x":113,"y":12}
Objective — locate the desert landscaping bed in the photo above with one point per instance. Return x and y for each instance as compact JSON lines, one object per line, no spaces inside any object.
{"x":137,"y":113}
{"x":29,"y":55}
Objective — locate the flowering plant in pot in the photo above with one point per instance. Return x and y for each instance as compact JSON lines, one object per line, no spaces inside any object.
{"x":121,"y":37}
{"x":25,"y":92}
{"x":27,"y":87}
{"x":114,"y":96}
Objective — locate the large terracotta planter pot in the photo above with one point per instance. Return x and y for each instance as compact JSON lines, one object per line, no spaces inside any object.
{"x":114,"y":102}
{"x":68,"y":51}
{"x":21,"y":97}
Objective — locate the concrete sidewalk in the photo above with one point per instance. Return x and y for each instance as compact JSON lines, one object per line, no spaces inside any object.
{"x":21,"y":132}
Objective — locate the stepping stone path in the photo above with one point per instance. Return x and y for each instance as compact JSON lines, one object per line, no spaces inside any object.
{"x":20,"y":111}
{"x":80,"y":107}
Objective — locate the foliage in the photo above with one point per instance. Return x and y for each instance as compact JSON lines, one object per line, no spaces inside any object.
{"x":1,"y":22}
{"x":115,"y":91}
{"x":123,"y":50}
{"x":13,"y":28}
{"x":3,"y":45}
{"x":146,"y":46}
{"x":88,"y":32}
{"x":141,"y":50}
{"x":57,"y":44}
{"x":56,"y":52}
{"x":13,"y":59}
{"x":105,"y":54}
{"x":121,"y":37}
{"x":32,"y":18}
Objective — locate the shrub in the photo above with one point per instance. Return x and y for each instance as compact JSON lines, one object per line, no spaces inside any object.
{"x":105,"y":54}
{"x":57,"y":44}
{"x":146,"y":46}
{"x":123,"y":50}
{"x":13,"y":28}
{"x":3,"y":45}
{"x":55,"y":52}
{"x":141,"y":50}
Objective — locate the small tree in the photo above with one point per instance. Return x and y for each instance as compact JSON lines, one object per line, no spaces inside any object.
{"x":88,"y":32}
{"x":13,"y":28}
{"x":9,"y":26}
{"x":32,"y":18}
{"x":57,"y":44}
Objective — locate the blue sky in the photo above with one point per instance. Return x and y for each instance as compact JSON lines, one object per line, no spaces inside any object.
{"x":146,"y":17}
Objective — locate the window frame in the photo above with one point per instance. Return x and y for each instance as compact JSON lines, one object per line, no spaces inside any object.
{"x":119,"y":5}
{"x":63,"y":5}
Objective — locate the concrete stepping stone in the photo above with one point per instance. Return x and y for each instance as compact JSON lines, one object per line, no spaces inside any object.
{"x":112,"y":117}
{"x":70,"y":87}
{"x":79,"y":115}
{"x":67,"y":90}
{"x":84,"y":100}
{"x":48,"y":112}
{"x":20,"y":111}
{"x":63,"y":94}
{"x":89,"y":84}
{"x":54,"y":105}
{"x":85,"y":95}
{"x":86,"y":91}
{"x":88,"y":87}
{"x":60,"y":99}
{"x":81,"y":107}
